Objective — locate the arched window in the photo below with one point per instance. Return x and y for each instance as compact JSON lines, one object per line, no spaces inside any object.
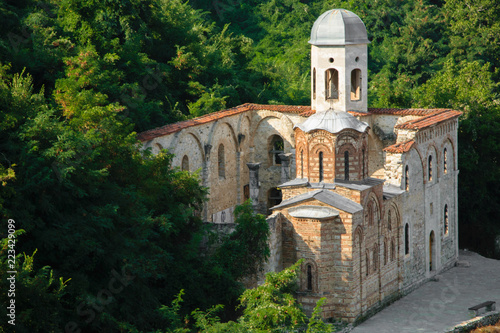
{"x":446,"y":221}
{"x":346,"y":165}
{"x":407,"y":179}
{"x":445,"y":161}
{"x":393,"y":250}
{"x":309,"y":278}
{"x":332,"y":84}
{"x":355,"y":85}
{"x":320,"y":166}
{"x":185,"y":163}
{"x":364,"y":161}
{"x":389,"y":221}
{"x":314,"y":82}
{"x":302,"y":163}
{"x":407,"y":239}
{"x":222,"y":161}
{"x":375,"y":258}
{"x":430,"y":168}
{"x":276,"y":147}
{"x":367,"y":263}
{"x":386,"y":254}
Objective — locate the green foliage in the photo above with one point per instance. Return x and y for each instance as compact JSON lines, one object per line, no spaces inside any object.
{"x":37,"y":293}
{"x":270,"y":307}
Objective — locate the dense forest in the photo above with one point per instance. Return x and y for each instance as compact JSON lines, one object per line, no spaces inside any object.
{"x":108,"y":237}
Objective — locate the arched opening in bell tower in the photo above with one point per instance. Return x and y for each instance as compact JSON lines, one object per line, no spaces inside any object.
{"x":356,"y":84}
{"x":332,"y":84}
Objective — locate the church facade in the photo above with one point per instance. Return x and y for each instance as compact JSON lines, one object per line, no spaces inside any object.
{"x":366,"y":196}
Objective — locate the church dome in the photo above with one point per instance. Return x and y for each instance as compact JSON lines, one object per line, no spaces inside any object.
{"x":338,"y":27}
{"x":332,"y":121}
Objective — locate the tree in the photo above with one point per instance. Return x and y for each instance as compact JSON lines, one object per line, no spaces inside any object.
{"x":270,"y":307}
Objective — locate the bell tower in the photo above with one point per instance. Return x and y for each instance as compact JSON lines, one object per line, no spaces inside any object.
{"x":339,"y":62}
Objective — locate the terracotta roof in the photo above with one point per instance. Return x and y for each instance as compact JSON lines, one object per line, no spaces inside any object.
{"x":400,"y":148}
{"x":432,"y":119}
{"x":404,"y":112}
{"x":359,"y":114}
{"x":172,"y":128}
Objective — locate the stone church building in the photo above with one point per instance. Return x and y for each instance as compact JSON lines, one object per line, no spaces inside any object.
{"x":366,"y":196}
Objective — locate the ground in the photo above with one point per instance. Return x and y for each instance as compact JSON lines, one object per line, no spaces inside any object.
{"x":441,"y":305}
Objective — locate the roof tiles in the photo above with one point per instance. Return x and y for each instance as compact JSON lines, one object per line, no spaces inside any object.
{"x":172,"y":128}
{"x":432,"y":119}
{"x":401,"y":147}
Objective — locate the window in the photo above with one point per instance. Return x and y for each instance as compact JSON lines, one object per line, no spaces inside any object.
{"x":309,"y":278}
{"x":185,"y":163}
{"x":407,"y":239}
{"x":246,"y":192}
{"x":375,"y":258}
{"x":346,"y":165}
{"x":302,"y":163}
{"x":389,"y":221}
{"x":385,"y":253}
{"x":407,"y":179}
{"x":393,"y":250}
{"x":363,"y":167}
{"x":446,"y":221}
{"x":367,"y":263}
{"x":356,"y":85}
{"x":314,"y":83}
{"x":321,"y":166}
{"x":222,"y":161}
{"x":332,"y":84}
{"x":430,"y":168}
{"x":445,"y":161}
{"x":276,"y":148}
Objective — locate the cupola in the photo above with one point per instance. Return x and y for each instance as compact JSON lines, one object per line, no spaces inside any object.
{"x":339,"y":62}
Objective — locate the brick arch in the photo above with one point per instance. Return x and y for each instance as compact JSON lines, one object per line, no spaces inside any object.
{"x":358,"y":235}
{"x":196,"y":139}
{"x":431,"y":148}
{"x":304,"y":276}
{"x":328,"y":163}
{"x":420,"y":158}
{"x":272,"y":114}
{"x":213,"y":131}
{"x":395,"y":216}
{"x":371,"y":199}
{"x":449,"y":140}
{"x":340,"y":161}
{"x":244,"y":118}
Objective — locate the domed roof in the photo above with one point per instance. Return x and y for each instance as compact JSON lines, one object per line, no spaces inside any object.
{"x":332,"y":121}
{"x":338,"y":27}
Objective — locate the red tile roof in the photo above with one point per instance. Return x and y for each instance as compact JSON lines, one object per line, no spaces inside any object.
{"x":432,"y":116}
{"x":393,"y":111}
{"x":172,"y":128}
{"x":400,"y":148}
{"x":438,"y":116}
{"x":403,"y":112}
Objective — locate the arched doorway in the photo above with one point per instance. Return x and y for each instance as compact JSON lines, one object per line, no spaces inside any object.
{"x":432,"y":252}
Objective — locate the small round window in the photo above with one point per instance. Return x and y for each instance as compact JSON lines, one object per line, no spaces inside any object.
{"x":357,"y":59}
{"x":331,"y":60}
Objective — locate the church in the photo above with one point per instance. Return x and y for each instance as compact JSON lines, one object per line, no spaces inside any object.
{"x":367,"y":197}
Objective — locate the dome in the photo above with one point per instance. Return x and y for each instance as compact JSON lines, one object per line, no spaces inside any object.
{"x":338,"y":27}
{"x":333,"y":122}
